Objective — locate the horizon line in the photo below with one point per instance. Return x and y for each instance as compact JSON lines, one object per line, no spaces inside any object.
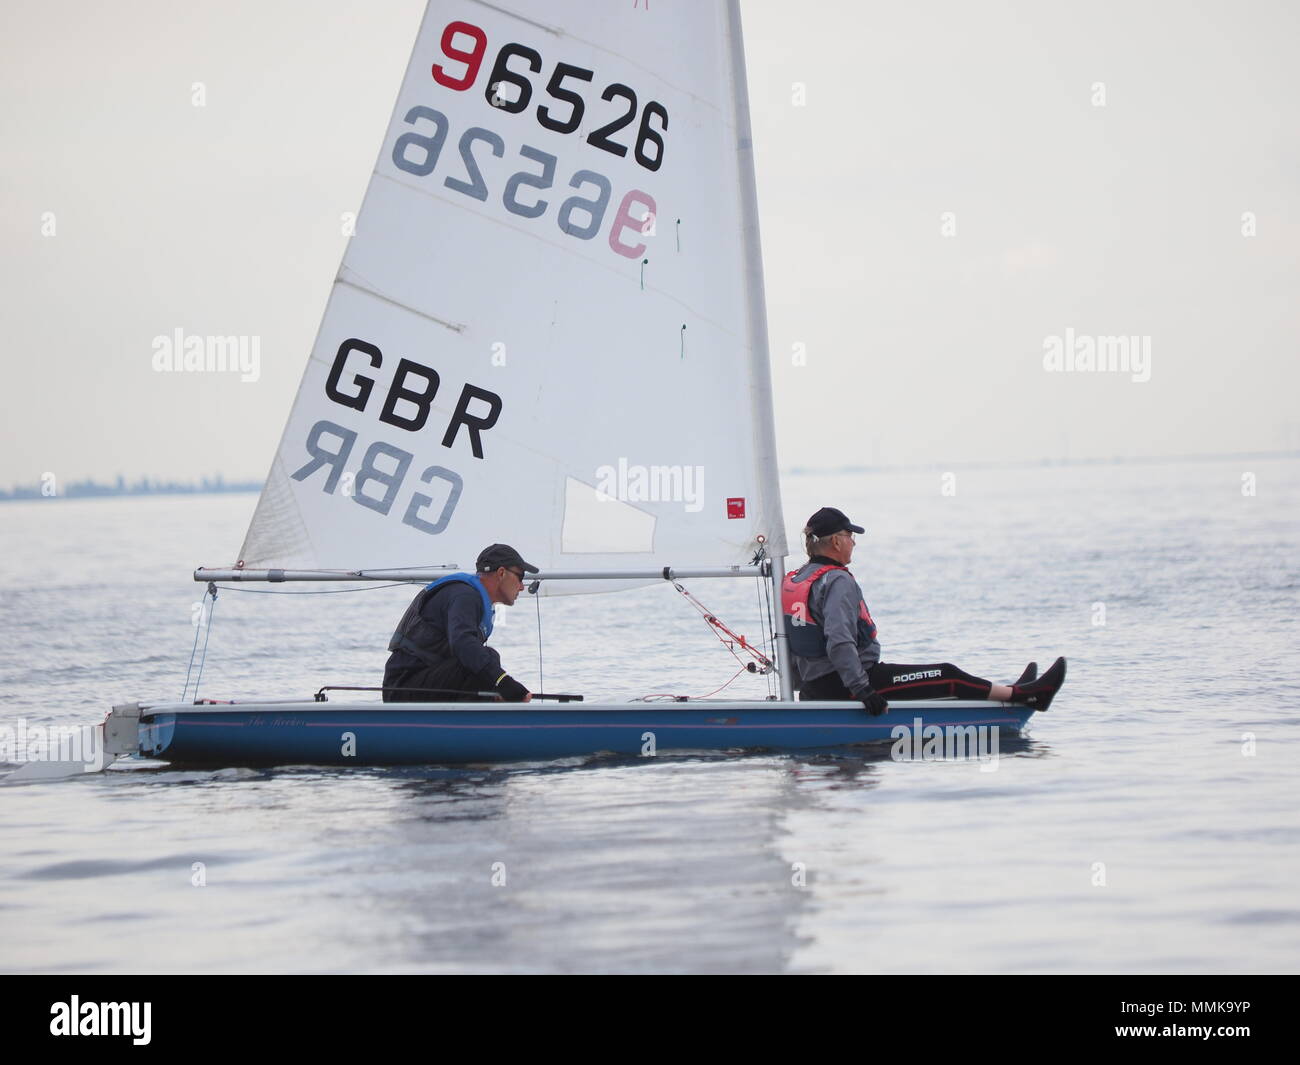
{"x":217,"y":484}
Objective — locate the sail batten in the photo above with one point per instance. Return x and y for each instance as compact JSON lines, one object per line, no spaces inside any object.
{"x":548,"y":328}
{"x":455,"y":327}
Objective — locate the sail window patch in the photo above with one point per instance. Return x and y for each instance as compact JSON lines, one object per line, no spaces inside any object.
{"x":597,"y":523}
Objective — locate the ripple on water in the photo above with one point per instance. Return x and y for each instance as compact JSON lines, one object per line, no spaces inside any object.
{"x":97,"y":868}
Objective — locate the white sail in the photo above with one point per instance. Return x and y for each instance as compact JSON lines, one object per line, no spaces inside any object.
{"x":548,"y":329}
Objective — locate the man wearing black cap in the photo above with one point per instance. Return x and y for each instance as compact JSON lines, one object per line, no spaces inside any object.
{"x":439,"y":648}
{"x":834,"y":645}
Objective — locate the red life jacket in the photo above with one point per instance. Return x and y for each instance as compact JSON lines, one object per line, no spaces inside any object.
{"x":805,"y":633}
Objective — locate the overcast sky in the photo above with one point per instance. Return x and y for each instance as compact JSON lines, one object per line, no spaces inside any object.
{"x":1096,"y":161}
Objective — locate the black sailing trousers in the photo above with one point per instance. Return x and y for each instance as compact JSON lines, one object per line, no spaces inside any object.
{"x":452,"y":683}
{"x":936,"y":681}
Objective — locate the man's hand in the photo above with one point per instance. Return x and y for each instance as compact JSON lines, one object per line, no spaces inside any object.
{"x":512,"y":691}
{"x":872,"y":700}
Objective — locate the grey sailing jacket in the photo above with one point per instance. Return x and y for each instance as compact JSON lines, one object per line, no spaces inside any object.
{"x":834,"y":602}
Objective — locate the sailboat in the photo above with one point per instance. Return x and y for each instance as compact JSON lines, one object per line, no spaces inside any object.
{"x":547,"y":327}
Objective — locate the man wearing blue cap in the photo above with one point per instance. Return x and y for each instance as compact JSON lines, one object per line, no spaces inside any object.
{"x":833,"y":637}
{"x":439,"y":650}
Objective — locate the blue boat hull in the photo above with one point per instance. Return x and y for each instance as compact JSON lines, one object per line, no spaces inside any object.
{"x":454,"y":734}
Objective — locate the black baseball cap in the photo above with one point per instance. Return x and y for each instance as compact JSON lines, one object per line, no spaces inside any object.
{"x":498,"y":555}
{"x":828,"y":520}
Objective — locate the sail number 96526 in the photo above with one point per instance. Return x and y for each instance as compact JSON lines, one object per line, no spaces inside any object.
{"x":648,"y":147}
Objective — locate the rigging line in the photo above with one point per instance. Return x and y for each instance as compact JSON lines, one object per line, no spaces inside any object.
{"x":324,"y":591}
{"x":713,"y":627}
{"x":193,"y":650}
{"x":653,"y":696}
{"x":774,"y":618}
{"x":727,"y":685}
{"x":768,"y":633}
{"x":769,"y":622}
{"x":541,"y":682}
{"x":359,"y":574}
{"x":717,"y":627}
{"x":212,"y":610}
{"x":398,"y":569}
{"x":763,"y":623}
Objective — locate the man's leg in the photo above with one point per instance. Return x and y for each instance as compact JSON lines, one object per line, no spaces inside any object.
{"x":395,"y":680}
{"x":448,"y":683}
{"x":935,"y":681}
{"x":826,"y":687}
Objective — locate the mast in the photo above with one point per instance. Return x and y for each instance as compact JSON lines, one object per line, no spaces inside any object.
{"x":761,"y":366}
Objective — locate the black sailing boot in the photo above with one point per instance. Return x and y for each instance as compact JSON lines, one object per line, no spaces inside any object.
{"x":1040,"y":693}
{"x":1030,"y":673}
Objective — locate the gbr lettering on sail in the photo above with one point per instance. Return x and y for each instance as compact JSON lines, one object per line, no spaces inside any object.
{"x":406,"y":405}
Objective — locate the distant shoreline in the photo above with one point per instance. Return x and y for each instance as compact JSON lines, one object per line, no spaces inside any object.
{"x":218,"y":486}
{"x":1033,"y":464}
{"x":95,"y":490}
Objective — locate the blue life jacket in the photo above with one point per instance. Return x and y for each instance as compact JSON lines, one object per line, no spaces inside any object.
{"x":417,"y":637}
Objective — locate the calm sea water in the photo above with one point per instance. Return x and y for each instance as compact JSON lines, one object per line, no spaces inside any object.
{"x":1148,"y":825}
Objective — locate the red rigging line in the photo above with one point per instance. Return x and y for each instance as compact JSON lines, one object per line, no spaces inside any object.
{"x":731,"y":641}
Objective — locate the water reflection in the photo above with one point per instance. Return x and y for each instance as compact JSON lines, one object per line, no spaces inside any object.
{"x":846,"y":763}
{"x":611,"y":864}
